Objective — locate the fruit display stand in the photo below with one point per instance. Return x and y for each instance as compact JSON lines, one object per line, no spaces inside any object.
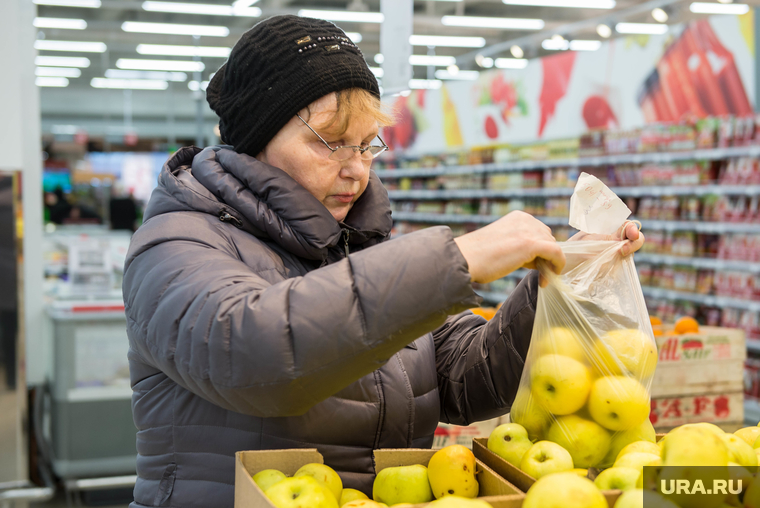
{"x":447,"y":434}
{"x":699,"y":378}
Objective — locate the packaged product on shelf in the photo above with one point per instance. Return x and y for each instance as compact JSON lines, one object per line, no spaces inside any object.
{"x":532,"y":179}
{"x":503,"y":181}
{"x":461,"y":207}
{"x":592,"y":144}
{"x":430,"y":206}
{"x":707,"y":132}
{"x":563,"y":148}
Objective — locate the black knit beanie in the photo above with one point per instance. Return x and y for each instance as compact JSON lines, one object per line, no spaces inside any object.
{"x":277,"y":68}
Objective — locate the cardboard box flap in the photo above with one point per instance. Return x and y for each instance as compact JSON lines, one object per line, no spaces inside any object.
{"x":287,"y":461}
{"x":395,"y":457}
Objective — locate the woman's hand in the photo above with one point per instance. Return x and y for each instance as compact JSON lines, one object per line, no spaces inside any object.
{"x":634,"y":238}
{"x":515,"y":241}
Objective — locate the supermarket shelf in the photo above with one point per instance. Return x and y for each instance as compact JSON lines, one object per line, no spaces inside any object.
{"x":751,"y":411}
{"x":714,"y":301}
{"x":702,"y":227}
{"x":450,"y":218}
{"x":634,"y":158}
{"x":705,"y":263}
{"x":648,"y":191}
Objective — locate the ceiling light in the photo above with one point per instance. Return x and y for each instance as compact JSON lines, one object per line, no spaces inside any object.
{"x":205,"y":9}
{"x":726,"y":1}
{"x":555,"y":44}
{"x":517,"y":51}
{"x":578,"y":4}
{"x":242,"y":4}
{"x":581,"y":45}
{"x":379,"y":58}
{"x":355,"y":37}
{"x":63,"y":23}
{"x":425,"y":84}
{"x":130,"y":84}
{"x":90,"y":4}
{"x":51,"y":81}
{"x":505,"y":23}
{"x":604,"y":31}
{"x":62,"y":61}
{"x":484,"y":61}
{"x":160,"y":65}
{"x":61,"y":72}
{"x":712,"y":8}
{"x":163,"y":49}
{"x":461,"y":75}
{"x":194,"y":86}
{"x":164,"y":76}
{"x":443,"y":61}
{"x":174,"y":29}
{"x":377,"y":71}
{"x":452,"y":42}
{"x":452,"y":69}
{"x":358,"y":17}
{"x":73,"y":46}
{"x":511,"y":63}
{"x":659,"y":15}
{"x":641,"y":28}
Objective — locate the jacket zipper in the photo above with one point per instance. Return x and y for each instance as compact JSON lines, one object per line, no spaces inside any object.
{"x":345,"y":239}
{"x":226,"y":217}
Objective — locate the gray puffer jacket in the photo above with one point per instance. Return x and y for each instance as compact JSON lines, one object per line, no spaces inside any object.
{"x":251,"y":328}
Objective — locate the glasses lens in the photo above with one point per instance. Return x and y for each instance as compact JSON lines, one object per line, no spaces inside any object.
{"x":375,"y":151}
{"x":342,"y":153}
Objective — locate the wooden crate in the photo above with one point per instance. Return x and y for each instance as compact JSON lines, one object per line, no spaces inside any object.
{"x":720,"y":408}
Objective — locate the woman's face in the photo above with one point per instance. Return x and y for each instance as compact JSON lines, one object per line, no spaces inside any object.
{"x":303,"y":156}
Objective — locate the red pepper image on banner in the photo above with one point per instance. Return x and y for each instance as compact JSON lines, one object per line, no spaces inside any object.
{"x":557,"y":71}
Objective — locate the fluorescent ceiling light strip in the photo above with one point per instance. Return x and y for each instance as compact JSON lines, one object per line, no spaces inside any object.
{"x":715,"y":8}
{"x":130,"y":84}
{"x":62,"y":72}
{"x":160,"y":65}
{"x":503,"y":23}
{"x":204,"y":9}
{"x":432,"y":60}
{"x":641,"y":28}
{"x":555,"y":45}
{"x":175,"y":29}
{"x":163,"y":49}
{"x":511,"y":63}
{"x":193,"y":85}
{"x":71,"y":46}
{"x":50,"y":81}
{"x":90,"y":4}
{"x":462,"y":75}
{"x":581,"y":45}
{"x":62,"y":61}
{"x":578,"y":4}
{"x":358,"y":17}
{"x":63,"y":23}
{"x":425,"y":84}
{"x":64,"y":129}
{"x":355,"y":37}
{"x":243,"y":4}
{"x":165,"y":76}
{"x":449,"y":41}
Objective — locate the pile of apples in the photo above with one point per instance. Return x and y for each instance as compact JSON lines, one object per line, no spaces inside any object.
{"x":586,"y":394}
{"x":448,"y":481}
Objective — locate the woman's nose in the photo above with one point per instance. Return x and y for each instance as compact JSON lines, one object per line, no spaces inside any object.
{"x":354,"y":167}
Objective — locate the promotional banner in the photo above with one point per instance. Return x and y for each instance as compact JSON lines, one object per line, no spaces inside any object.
{"x":705,"y":68}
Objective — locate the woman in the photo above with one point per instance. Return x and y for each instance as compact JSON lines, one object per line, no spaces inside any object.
{"x":267,"y":307}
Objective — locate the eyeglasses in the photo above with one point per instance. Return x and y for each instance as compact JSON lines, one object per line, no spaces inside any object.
{"x":343,"y":153}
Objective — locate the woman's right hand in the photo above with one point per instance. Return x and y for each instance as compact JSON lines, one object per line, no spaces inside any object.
{"x":515,"y":241}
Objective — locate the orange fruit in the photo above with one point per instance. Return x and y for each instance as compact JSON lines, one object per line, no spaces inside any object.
{"x":657,"y":333}
{"x":686,"y":325}
{"x":486,"y":312}
{"x":654,"y":321}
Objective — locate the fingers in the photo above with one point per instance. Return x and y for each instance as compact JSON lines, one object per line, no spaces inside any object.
{"x":631,"y":231}
{"x":632,"y":246}
{"x":552,"y":252}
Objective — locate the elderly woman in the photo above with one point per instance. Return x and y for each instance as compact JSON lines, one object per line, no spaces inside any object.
{"x":267,"y":306}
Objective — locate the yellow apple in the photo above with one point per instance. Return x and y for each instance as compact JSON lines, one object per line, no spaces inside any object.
{"x":587,"y":441}
{"x":617,"y":478}
{"x":563,"y":341}
{"x":580,"y":472}
{"x":365,"y":503}
{"x":752,"y":494}
{"x":325,"y":476}
{"x":749,"y":434}
{"x":756,"y":444}
{"x":510,"y":442}
{"x":349,"y":495}
{"x":546,"y":458}
{"x":268,"y":477}
{"x":643,"y":432}
{"x":626,"y":351}
{"x":403,"y":484}
{"x":560,"y":384}
{"x":741,"y":453}
{"x":300,"y":492}
{"x":564,"y":490}
{"x":640,"y":447}
{"x":618,"y":402}
{"x":526,"y":411}
{"x":637,"y":460}
{"x":457,"y":502}
{"x":451,"y":472}
{"x":635,"y":499}
{"x":711,"y":427}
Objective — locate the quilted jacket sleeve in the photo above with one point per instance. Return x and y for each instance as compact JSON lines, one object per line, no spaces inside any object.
{"x":479,"y":363}
{"x":218,"y":329}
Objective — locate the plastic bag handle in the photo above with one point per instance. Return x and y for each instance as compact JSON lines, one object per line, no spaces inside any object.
{"x":625,"y":225}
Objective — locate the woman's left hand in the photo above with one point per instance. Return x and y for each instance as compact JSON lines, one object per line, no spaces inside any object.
{"x":633,"y":242}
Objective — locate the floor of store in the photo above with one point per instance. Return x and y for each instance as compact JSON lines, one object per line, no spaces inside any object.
{"x":60,"y":502}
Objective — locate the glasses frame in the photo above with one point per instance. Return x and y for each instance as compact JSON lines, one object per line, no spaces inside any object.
{"x":356,"y":148}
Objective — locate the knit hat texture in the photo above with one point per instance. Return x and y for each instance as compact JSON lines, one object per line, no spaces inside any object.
{"x":277,"y":68}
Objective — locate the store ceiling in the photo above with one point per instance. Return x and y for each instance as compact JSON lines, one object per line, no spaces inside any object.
{"x":150,"y":113}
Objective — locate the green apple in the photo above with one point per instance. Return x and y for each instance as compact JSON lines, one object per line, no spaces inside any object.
{"x":451,"y":471}
{"x":300,"y":492}
{"x":457,"y":502}
{"x":325,"y":476}
{"x":640,"y":447}
{"x":560,"y":384}
{"x":617,"y":478}
{"x":636,"y":499}
{"x":268,"y":477}
{"x":510,"y":442}
{"x":643,"y":432}
{"x":711,"y":427}
{"x":626,"y":351}
{"x":749,"y":434}
{"x":403,"y":484}
{"x":349,"y":495}
{"x":756,"y":444}
{"x":587,"y":441}
{"x":741,"y":453}
{"x":366,"y":503}
{"x":637,"y":460}
{"x":618,"y":402}
{"x":526,"y":411}
{"x":564,"y":490}
{"x":546,"y":458}
{"x":583,"y":473}
{"x":559,"y":340}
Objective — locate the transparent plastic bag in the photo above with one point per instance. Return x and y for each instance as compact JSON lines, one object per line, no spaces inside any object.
{"x":587,"y":379}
